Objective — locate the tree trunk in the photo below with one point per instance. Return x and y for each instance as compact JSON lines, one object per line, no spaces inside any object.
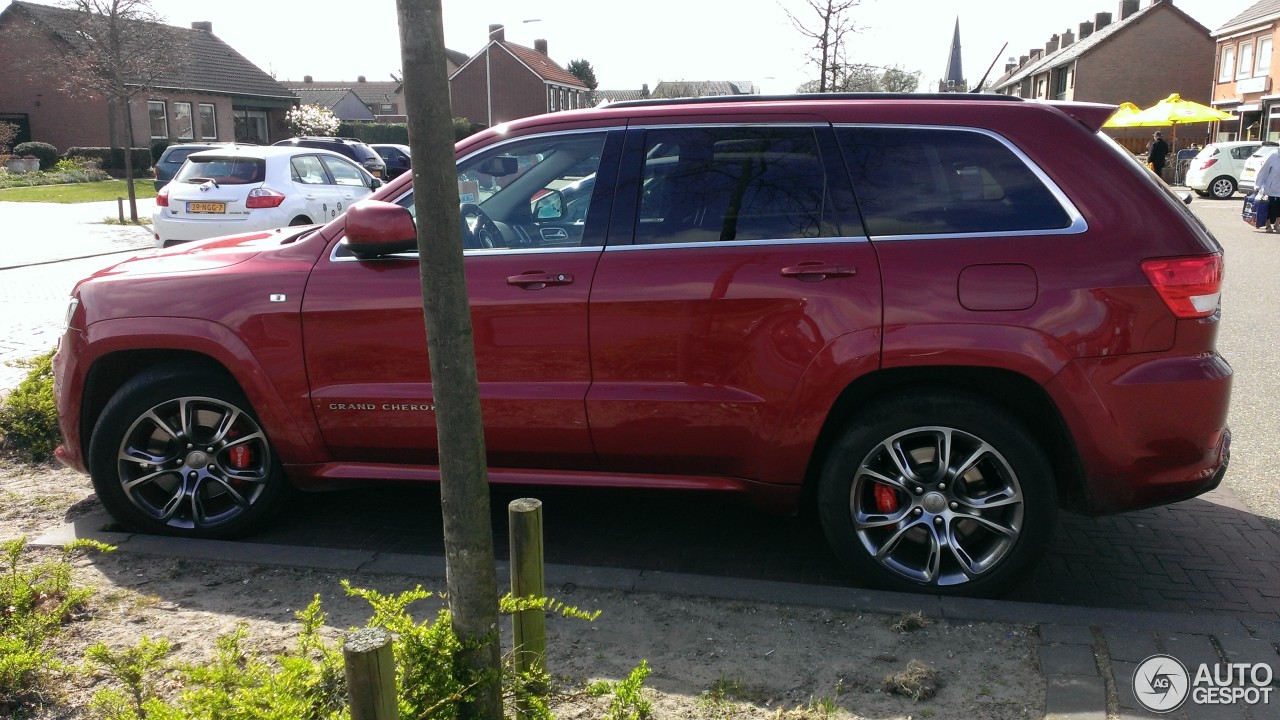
{"x":128,"y":157}
{"x":464,"y":484}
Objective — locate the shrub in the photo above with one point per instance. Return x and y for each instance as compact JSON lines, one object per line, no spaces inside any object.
{"x":111,"y":158}
{"x":28,"y":417}
{"x":47,"y":153}
{"x":157,"y":149}
{"x":36,"y":600}
{"x":464,"y":127}
{"x":313,"y":120}
{"x":392,"y":133}
{"x":8,"y":131}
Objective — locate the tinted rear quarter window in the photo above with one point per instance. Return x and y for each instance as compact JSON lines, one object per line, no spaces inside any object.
{"x":918,"y":181}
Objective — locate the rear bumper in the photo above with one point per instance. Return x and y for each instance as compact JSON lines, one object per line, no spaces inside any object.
{"x":1149,"y":430}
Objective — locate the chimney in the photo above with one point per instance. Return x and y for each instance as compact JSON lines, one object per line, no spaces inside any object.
{"x":1036,"y":54}
{"x":360,"y":78}
{"x":496,"y":34}
{"x":204,"y":25}
{"x":1022,"y":60}
{"x":306,"y":78}
{"x":1068,"y":38}
{"x":1127,"y":8}
{"x":1086,"y":29}
{"x":540,"y":46}
{"x":1010,"y":65}
{"x":1051,"y":46}
{"x":644,"y":90}
{"x":1101,"y":20}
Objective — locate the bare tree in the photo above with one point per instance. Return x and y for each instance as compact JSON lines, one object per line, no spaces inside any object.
{"x":464,"y":482}
{"x":828,"y":31}
{"x":115,"y":49}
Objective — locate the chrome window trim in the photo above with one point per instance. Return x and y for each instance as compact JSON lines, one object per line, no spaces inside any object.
{"x":742,"y":243}
{"x":730,"y":124}
{"x":333,"y":254}
{"x":1078,"y":223}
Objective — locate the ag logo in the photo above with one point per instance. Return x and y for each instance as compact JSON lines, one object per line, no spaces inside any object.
{"x":1161,"y":683}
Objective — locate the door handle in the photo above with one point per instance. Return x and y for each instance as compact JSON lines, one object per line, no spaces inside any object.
{"x":536,"y":280}
{"x":815,"y":271}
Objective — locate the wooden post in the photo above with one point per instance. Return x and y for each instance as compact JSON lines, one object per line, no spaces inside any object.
{"x":120,"y":208}
{"x":371,"y":675}
{"x":529,"y":627}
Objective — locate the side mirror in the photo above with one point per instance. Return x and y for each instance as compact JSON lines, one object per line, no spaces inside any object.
{"x":375,"y":183}
{"x":376,"y":228}
{"x":549,"y":206}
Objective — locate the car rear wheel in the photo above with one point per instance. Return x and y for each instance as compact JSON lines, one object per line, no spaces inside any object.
{"x":1222,"y":188}
{"x":178,"y":452}
{"x":940,"y":492}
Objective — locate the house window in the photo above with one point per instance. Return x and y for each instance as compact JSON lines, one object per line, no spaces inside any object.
{"x":159,"y":123}
{"x":1262,"y":64}
{"x":1245,"y":60}
{"x":251,"y":126}
{"x":387,"y":109}
{"x":1059,"y":79}
{"x":182,"y":127}
{"x":208,"y":122}
{"x":1228,"y":64}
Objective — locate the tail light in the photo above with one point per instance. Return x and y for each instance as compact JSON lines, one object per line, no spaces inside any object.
{"x":264,"y":198}
{"x":1209,"y":163}
{"x":1190,"y":286}
{"x":162,"y":197}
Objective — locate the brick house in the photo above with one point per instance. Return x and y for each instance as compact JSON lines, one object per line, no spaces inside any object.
{"x":1245,"y":76}
{"x":338,"y":98}
{"x":216,"y":94}
{"x":505,"y":81}
{"x":1141,"y":55}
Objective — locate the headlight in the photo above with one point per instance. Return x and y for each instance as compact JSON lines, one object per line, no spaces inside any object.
{"x":72,"y":304}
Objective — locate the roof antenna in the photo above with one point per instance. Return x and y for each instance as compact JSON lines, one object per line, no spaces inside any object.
{"x":978,"y":87}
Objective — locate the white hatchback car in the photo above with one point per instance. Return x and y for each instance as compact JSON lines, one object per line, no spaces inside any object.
{"x":243,"y":189}
{"x":1215,"y":170}
{"x":1253,"y":164}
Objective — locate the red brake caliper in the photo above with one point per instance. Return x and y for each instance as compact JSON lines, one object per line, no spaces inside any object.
{"x":886,"y":498}
{"x":239,"y":457}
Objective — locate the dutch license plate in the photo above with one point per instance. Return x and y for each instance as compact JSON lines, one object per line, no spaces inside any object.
{"x":206,"y":207}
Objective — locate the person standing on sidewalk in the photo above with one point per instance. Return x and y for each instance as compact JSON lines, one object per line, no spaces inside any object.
{"x":1268,"y":183}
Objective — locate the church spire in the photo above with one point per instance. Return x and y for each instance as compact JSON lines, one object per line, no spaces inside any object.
{"x":953,"y":78}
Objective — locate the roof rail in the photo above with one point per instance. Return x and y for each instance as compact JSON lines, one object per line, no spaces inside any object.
{"x":711,"y":99}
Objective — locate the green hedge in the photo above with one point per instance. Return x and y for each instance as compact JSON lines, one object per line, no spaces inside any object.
{"x":111,"y":158}
{"x":389,"y":133}
{"x":398,"y":133}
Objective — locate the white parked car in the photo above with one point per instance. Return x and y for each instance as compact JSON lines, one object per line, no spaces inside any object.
{"x":243,"y":189}
{"x":1215,"y":170}
{"x":1253,"y":164}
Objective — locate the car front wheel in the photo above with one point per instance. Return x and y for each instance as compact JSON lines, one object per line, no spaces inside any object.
{"x":937,"y":492}
{"x":178,"y":452}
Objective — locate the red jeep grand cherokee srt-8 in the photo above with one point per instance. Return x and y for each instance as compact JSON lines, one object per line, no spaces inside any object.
{"x":936,"y":319}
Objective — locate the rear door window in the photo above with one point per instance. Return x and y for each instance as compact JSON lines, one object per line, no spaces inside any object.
{"x":923,"y":181}
{"x":718,"y":184}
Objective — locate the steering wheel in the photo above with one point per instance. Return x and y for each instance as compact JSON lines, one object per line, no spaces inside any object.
{"x":479,"y":231}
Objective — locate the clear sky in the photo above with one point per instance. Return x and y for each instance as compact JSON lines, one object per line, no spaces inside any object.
{"x":629,"y":44}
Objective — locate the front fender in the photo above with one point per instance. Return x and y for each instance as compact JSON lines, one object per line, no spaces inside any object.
{"x":274,"y":379}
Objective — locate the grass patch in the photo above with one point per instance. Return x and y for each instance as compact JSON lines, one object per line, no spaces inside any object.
{"x":78,"y":192}
{"x":909,"y":622}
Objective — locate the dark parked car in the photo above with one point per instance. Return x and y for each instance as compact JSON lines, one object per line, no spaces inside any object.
{"x":351,"y":147}
{"x":173,"y":157}
{"x":913,"y":315}
{"x":395,"y":156}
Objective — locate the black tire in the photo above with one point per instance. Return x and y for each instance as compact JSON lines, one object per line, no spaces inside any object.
{"x":1223,"y":188}
{"x":300,"y":220}
{"x":180,"y":452}
{"x":920,"y":531}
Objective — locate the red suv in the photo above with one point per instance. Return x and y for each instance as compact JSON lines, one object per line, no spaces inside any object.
{"x":934,"y":320}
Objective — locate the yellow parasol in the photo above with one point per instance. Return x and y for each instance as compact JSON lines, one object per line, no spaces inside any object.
{"x":1169,"y":112}
{"x":1122,"y":114}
